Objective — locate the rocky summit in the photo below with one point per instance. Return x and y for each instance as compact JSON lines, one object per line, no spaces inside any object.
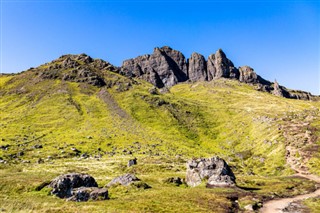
{"x":167,"y":67}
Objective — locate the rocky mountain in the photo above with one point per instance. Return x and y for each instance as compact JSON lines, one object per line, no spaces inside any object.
{"x":167,"y":67}
{"x":81,"y":129}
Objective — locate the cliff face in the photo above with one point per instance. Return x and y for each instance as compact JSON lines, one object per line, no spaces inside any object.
{"x":167,"y":67}
{"x":164,"y":68}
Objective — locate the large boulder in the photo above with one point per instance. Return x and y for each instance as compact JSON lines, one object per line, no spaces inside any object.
{"x":64,"y":184}
{"x":215,"y":170}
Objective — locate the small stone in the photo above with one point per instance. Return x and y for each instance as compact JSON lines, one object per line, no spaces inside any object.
{"x":40,"y":160}
{"x":132,"y":162}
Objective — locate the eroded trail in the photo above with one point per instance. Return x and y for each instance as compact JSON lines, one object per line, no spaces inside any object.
{"x":295,"y":133}
{"x":278,"y":205}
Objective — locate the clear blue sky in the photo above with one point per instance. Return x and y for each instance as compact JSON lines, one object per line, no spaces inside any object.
{"x":280,"y":39}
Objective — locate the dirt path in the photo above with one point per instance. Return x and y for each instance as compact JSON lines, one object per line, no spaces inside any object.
{"x":276,"y":206}
{"x":297,"y":132}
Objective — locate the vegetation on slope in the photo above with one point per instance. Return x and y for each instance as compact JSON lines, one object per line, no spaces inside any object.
{"x":53,"y":126}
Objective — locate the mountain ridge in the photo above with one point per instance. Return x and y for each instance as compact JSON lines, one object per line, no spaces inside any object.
{"x":164,"y":68}
{"x":167,"y":67}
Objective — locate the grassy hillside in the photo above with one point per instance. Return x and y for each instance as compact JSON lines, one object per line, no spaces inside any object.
{"x":43,"y":120}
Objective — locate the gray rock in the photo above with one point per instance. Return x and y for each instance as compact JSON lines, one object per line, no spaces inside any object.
{"x":248,"y":75}
{"x":215,"y":170}
{"x":69,"y":63}
{"x":38,"y":146}
{"x":277,"y":91}
{"x":64,"y":184}
{"x":88,"y":193}
{"x":197,"y":68}
{"x":84,"y":58}
{"x":164,"y":68}
{"x":132,"y":162}
{"x":219,"y":66}
{"x":125,"y":180}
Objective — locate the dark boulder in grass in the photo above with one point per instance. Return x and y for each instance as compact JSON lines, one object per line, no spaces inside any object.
{"x":64,"y":184}
{"x":88,"y":193}
{"x":214,"y":170}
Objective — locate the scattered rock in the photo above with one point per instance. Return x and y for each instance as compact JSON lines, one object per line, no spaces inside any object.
{"x":174,"y":180}
{"x":3,"y":161}
{"x":132,"y":162}
{"x":20,"y":154}
{"x":88,"y":193}
{"x":84,"y":156}
{"x":75,"y":150}
{"x":125,"y":180}
{"x":215,"y":170}
{"x":38,"y":146}
{"x":5,"y":147}
{"x":40,"y":160}
{"x":64,"y":184}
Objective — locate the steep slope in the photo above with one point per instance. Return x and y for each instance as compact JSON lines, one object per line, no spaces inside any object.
{"x":101,"y":108}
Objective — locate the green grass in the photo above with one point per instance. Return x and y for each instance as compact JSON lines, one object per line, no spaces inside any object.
{"x":222,"y":117}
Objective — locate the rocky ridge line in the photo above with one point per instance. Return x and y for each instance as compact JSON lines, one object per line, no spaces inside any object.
{"x":167,"y":67}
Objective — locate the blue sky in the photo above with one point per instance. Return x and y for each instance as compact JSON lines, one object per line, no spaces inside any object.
{"x":279,"y":39}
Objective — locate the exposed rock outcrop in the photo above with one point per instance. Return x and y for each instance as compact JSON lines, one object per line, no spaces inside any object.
{"x":248,"y":75}
{"x":197,"y":70}
{"x":167,"y":67}
{"x":76,"y":68}
{"x":277,"y":91}
{"x":219,"y":66}
{"x":164,"y":68}
{"x":215,"y":170}
{"x":64,"y":184}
